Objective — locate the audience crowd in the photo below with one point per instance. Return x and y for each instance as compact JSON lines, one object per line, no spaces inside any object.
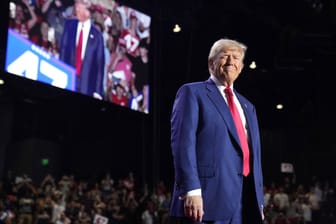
{"x":69,"y":200}
{"x":297,"y":203}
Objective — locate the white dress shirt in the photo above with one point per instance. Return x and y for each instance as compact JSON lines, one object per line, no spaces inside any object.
{"x":86,"y":30}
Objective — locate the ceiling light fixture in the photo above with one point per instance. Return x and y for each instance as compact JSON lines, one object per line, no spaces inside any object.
{"x":177,"y":28}
{"x":279,"y":106}
{"x":253,"y":65}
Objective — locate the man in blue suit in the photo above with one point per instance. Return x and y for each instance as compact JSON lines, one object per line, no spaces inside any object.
{"x":210,"y":185}
{"x":89,"y":77}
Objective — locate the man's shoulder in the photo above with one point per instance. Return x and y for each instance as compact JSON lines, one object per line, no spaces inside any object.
{"x":195,"y":84}
{"x":193,"y":88}
{"x":71,"y":22}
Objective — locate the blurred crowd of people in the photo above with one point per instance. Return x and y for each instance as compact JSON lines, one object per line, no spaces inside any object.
{"x":126,"y":33}
{"x":296,"y":203}
{"x":68,"y":200}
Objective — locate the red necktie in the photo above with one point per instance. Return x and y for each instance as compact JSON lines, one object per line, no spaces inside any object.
{"x":79,"y":52}
{"x":240,"y":129}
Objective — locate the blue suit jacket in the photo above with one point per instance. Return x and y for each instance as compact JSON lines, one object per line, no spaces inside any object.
{"x":207,"y":152}
{"x":92,"y":71}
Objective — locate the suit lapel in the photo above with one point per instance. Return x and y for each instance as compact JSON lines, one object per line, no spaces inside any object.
{"x":222,"y":108}
{"x":89,"y":44}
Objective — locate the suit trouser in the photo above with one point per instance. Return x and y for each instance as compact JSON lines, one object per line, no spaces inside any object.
{"x":247,"y":212}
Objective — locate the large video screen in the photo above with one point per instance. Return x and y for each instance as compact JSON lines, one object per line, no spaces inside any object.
{"x":99,"y":48}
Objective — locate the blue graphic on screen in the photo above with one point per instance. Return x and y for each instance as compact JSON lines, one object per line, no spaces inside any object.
{"x":31,"y":61}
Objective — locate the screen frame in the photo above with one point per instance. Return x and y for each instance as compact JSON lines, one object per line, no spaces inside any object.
{"x":4,"y":36}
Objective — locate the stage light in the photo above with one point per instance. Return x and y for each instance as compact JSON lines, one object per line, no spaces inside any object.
{"x":253,"y":65}
{"x":279,"y":106}
{"x":177,"y":28}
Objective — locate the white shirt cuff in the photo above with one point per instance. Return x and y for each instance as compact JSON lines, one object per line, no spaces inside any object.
{"x":195,"y":192}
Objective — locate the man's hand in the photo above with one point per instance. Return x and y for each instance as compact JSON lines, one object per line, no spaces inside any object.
{"x":193,"y":207}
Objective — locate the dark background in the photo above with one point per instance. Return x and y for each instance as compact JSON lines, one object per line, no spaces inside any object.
{"x":292,"y":41}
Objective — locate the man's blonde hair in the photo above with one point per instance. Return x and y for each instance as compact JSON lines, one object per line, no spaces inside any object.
{"x":220,"y":44}
{"x":87,"y":3}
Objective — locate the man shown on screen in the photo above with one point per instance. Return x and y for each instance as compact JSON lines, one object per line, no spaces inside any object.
{"x":82,"y":46}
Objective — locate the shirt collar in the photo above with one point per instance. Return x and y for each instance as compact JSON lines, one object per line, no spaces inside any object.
{"x":86,"y":24}
{"x":218,"y":84}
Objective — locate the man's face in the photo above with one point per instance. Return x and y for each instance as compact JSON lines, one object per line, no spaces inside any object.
{"x":82,"y":12}
{"x":227,"y":65}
